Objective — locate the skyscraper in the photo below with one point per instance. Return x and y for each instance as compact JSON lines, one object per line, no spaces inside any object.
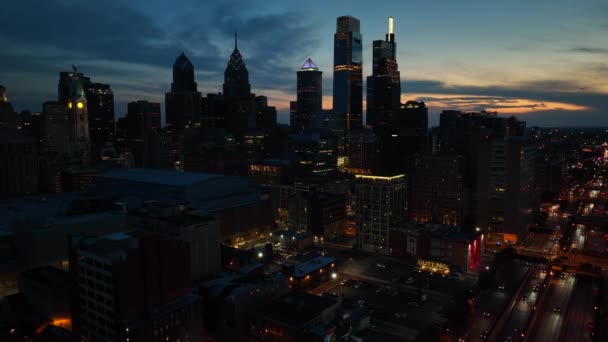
{"x":310,"y":95}
{"x":240,"y":115}
{"x":100,"y":104}
{"x":348,"y":59}
{"x":236,"y":75}
{"x":384,"y":85}
{"x":183,"y":102}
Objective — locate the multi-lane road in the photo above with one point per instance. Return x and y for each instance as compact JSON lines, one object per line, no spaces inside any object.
{"x":549,"y":320}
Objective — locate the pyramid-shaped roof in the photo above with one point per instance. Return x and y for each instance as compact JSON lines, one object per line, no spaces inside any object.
{"x":309,"y":65}
{"x":183,"y":63}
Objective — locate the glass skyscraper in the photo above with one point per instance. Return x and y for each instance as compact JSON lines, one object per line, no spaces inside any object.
{"x":348,"y":59}
{"x":384,"y":85}
{"x":310,"y":96}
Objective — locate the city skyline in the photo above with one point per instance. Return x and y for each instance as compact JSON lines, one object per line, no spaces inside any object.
{"x":487,"y":62}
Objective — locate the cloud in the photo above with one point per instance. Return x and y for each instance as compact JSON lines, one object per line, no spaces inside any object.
{"x":594,"y":50}
{"x":115,"y":43}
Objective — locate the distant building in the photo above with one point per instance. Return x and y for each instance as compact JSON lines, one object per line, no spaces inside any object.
{"x":297,"y":316}
{"x":135,"y":287}
{"x":56,"y":128}
{"x":313,"y":156}
{"x":362,"y":151}
{"x":319,"y":214}
{"x":183,"y":102}
{"x":348,"y":77}
{"x":381,"y":203}
{"x":310,"y":96}
{"x":240,"y":104}
{"x":231,"y":300}
{"x":240,"y":208}
{"x":437,"y":190}
{"x":201,"y":232}
{"x":100,"y":105}
{"x":74,"y":180}
{"x":384,"y":85}
{"x":19,"y":154}
{"x":143,"y":137}
{"x":458,"y":247}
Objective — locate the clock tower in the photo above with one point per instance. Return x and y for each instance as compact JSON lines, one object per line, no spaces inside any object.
{"x":78,"y":117}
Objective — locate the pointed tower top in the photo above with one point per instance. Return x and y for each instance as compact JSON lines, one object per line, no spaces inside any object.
{"x":235,"y":41}
{"x":309,"y":65}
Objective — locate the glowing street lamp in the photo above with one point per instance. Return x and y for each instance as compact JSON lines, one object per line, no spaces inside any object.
{"x":334,"y":275}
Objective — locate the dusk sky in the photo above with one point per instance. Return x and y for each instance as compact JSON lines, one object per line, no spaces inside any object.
{"x":544,"y":60}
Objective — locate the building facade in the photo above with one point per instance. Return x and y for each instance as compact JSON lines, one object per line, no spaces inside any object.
{"x":310,"y":96}
{"x":348,"y":77}
{"x":381,"y":202}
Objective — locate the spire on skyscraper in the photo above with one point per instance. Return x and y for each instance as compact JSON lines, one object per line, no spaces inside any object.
{"x":309,"y":65}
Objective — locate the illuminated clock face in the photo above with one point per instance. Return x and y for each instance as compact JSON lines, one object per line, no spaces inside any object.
{"x":70,"y":105}
{"x":79,"y":105}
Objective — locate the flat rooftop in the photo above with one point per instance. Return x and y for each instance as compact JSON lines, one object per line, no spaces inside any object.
{"x":161,"y":177}
{"x":297,"y":308}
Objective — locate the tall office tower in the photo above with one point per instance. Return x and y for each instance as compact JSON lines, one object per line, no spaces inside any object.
{"x":310,"y":95}
{"x":381,"y":202}
{"x":236,"y":75}
{"x":183,"y":102}
{"x":384,"y":85}
{"x":348,"y":59}
{"x":100,"y":105}
{"x":240,"y":115}
{"x":79,"y":119}
{"x":133,"y":287}
{"x":437,"y":192}
{"x":142,"y":126}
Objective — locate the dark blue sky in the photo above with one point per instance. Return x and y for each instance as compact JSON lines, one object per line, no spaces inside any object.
{"x":544,"y":60}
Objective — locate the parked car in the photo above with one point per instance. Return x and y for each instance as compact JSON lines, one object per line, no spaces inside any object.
{"x":400,"y":315}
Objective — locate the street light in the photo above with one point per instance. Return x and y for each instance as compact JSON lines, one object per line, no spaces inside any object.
{"x":260,"y":255}
{"x":334,"y":275}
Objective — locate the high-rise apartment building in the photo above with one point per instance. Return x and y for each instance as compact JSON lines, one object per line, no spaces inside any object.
{"x":381,"y":202}
{"x":348,"y":60}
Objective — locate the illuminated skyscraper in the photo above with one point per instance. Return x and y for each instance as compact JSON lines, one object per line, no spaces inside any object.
{"x":348,"y":59}
{"x":384,"y":85}
{"x":310,"y":95}
{"x":183,"y":103}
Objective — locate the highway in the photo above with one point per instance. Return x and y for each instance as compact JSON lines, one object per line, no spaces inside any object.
{"x":517,"y":321}
{"x":495,"y":302}
{"x":580,"y":313}
{"x":549,"y":323}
